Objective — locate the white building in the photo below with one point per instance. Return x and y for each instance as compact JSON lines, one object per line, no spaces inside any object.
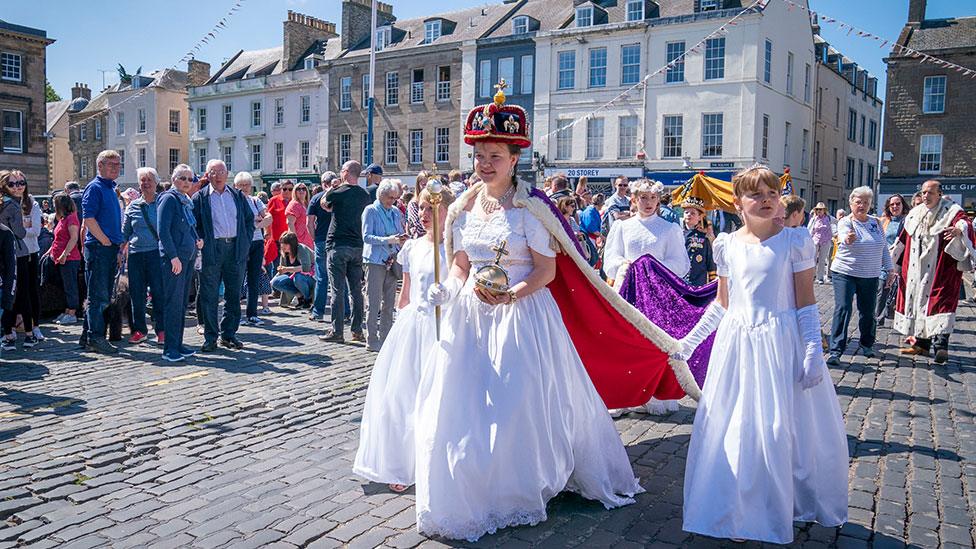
{"x":266,"y":111}
{"x":742,"y":97}
{"x":147,"y":123}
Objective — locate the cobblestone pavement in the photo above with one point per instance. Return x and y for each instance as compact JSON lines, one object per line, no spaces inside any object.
{"x":254,"y":448}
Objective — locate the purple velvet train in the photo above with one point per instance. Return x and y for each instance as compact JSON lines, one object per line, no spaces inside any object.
{"x":671,"y":304}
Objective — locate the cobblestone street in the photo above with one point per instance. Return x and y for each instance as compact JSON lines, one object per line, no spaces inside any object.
{"x":254,"y":448}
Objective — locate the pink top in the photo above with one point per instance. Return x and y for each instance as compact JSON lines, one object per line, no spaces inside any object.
{"x":62,"y":236}
{"x":819,"y":228}
{"x":296,"y":209}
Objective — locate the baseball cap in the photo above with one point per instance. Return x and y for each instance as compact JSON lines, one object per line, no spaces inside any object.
{"x":372,"y":169}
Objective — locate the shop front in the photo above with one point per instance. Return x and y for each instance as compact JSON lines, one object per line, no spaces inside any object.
{"x":961,"y":190}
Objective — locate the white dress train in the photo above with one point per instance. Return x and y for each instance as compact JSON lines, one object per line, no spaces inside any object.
{"x":507,"y":416}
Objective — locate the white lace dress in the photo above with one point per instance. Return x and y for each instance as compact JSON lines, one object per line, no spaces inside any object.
{"x":507,"y":416}
{"x":764,"y":452}
{"x":632,"y":238}
{"x":386,"y":435}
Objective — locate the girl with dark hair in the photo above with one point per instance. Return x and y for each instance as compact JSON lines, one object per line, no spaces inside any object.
{"x":65,"y":252}
{"x":294,"y":276}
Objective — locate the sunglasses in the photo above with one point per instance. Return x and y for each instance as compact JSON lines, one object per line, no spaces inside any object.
{"x":184,"y":178}
{"x":288,"y":188}
{"x":302,"y":190}
{"x":21,"y":183}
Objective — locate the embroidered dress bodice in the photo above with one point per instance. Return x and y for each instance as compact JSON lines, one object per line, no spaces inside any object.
{"x":516,"y":227}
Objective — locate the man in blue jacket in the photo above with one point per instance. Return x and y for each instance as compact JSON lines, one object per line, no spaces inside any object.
{"x":102,"y":218}
{"x":225,"y":222}
{"x":178,"y":245}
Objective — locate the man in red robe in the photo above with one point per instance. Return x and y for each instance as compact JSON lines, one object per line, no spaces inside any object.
{"x":934,"y":249}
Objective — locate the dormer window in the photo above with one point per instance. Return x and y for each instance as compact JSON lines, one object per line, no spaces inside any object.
{"x":520,"y":25}
{"x":432,"y":31}
{"x":635,"y":10}
{"x":584,"y":16}
{"x":383,"y":37}
{"x":709,"y":5}
{"x":309,"y":62}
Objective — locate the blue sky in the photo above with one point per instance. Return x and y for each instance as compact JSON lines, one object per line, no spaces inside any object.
{"x":153,"y":34}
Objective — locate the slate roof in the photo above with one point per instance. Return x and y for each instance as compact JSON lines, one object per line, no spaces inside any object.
{"x":470,"y":24}
{"x":549,"y":14}
{"x":55,"y":109}
{"x":940,"y":34}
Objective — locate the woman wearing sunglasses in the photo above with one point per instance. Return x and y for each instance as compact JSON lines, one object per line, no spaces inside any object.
{"x":18,"y":204}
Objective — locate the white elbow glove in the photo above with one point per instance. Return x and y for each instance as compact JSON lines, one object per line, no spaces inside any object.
{"x":440,"y":294}
{"x":706,"y":325}
{"x":814,"y":367}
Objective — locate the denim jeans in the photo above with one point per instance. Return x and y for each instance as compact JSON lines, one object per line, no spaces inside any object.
{"x":845,"y":289}
{"x":346,"y":274}
{"x":321,"y":279}
{"x":255,"y":258}
{"x":69,"y":281}
{"x":101,"y":265}
{"x":227,"y":271}
{"x":299,"y":283}
{"x":144,"y":273}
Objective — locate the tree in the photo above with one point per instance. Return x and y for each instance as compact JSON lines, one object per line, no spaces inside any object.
{"x":49,"y":93}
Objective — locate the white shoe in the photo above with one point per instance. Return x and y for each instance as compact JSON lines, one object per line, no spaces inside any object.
{"x":617,"y":412}
{"x":37,"y":333}
{"x":656,"y":407}
{"x":672,"y":405}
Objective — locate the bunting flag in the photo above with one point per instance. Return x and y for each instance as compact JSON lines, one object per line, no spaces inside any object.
{"x":211,"y":35}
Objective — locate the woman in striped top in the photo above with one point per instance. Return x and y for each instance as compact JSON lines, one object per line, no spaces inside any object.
{"x":862,"y":255}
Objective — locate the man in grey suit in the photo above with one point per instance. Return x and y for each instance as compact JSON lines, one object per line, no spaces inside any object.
{"x":225,"y":223}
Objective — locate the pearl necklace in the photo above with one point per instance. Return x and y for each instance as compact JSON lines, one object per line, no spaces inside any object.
{"x":491,"y":205}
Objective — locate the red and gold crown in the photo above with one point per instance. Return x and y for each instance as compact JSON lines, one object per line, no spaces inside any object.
{"x":497,"y":122}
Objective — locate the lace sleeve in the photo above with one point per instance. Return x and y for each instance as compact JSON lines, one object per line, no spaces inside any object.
{"x":537,"y":236}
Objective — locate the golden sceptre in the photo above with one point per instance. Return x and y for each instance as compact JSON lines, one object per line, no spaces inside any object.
{"x":434,"y":188}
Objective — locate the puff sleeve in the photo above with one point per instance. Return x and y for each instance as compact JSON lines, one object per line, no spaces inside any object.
{"x":803,"y":252}
{"x":718,"y":253}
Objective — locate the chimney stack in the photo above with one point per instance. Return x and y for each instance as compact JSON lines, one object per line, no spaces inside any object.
{"x":916,"y":11}
{"x":356,"y":15}
{"x":301,"y":31}
{"x":80,"y":90}
{"x":197,"y":73}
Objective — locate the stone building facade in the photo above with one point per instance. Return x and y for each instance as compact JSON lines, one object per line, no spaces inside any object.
{"x":847,"y":128}
{"x":929,"y":119}
{"x":265,"y":111}
{"x":23,"y":108}
{"x":417,"y":121}
{"x":87,"y":136}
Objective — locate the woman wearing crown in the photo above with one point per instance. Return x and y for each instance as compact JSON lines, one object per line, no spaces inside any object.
{"x":509,"y":408}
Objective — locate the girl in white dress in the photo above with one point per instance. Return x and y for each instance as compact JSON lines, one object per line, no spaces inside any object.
{"x":507,"y":416}
{"x":768,"y":446}
{"x":386,"y":436}
{"x":642,"y":234}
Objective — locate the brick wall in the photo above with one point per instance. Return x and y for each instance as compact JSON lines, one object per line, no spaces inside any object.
{"x":905,"y":124}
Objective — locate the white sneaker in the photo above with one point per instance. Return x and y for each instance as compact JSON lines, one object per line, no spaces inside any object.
{"x":672,"y":405}
{"x":617,"y":412}
{"x":37,"y":333}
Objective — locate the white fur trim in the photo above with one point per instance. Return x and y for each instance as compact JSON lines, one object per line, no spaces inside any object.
{"x":541,"y":211}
